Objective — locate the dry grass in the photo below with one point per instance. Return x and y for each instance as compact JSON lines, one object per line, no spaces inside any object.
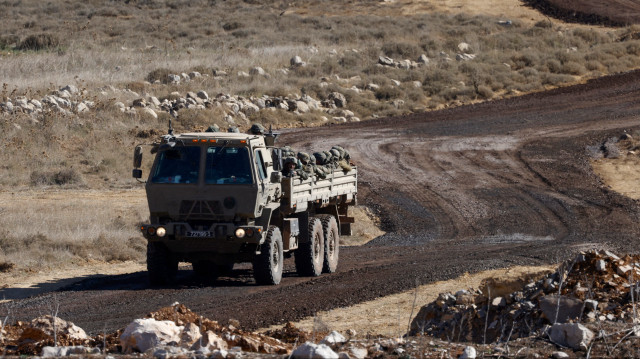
{"x":43,"y":229}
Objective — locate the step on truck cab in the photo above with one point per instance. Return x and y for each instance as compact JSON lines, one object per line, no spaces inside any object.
{"x":216,"y":199}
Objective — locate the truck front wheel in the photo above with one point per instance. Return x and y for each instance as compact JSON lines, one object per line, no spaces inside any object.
{"x":309,"y":256}
{"x":162,"y":266}
{"x":331,"y":243}
{"x":268,"y":265}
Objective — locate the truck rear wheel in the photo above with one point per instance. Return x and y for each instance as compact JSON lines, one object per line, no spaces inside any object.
{"x":162,"y":266}
{"x":268,"y":265}
{"x":309,"y":256}
{"x":331,"y":243}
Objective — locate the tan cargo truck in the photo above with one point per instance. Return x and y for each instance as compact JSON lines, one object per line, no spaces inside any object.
{"x":216,"y":199}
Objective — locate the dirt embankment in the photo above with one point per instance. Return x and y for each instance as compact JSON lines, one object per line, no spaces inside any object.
{"x":604,"y":13}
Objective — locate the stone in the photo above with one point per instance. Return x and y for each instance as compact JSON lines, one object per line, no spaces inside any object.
{"x":296,"y":61}
{"x":190,"y":334}
{"x":81,"y":107}
{"x":570,"y":308}
{"x":139,"y":102}
{"x":316,"y":351}
{"x":56,"y":352}
{"x":623,"y":269}
{"x":396,"y":82}
{"x":416,"y":84}
{"x":144,"y":334}
{"x":357,"y":352}
{"x":45,"y":323}
{"x":469,"y":352}
{"x":498,"y":302}
{"x":185,"y":77}
{"x":302,"y":107}
{"x":211,"y":341}
{"x":404,"y":64}
{"x":372,"y":87}
{"x":8,"y":106}
{"x":173,"y":79}
{"x":338,"y":99}
{"x":612,"y":256}
{"x":333,"y":338}
{"x":465,"y":57}
{"x":36,"y":103}
{"x":464,"y":47}
{"x":572,"y":335}
{"x":505,"y":22}
{"x":194,"y":74}
{"x":203,"y":95}
{"x":70,"y":89}
{"x":149,"y":112}
{"x":590,"y":304}
{"x":601,"y":265}
{"x":257,"y":71}
{"x":423,"y":59}
{"x":168,"y":352}
{"x":559,"y":355}
{"x":386,"y":61}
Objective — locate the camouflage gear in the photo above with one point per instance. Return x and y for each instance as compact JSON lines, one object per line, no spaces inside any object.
{"x":304,"y":157}
{"x":320,"y":157}
{"x":257,"y":129}
{"x":213,"y":128}
{"x":346,"y":167}
{"x":233,"y":130}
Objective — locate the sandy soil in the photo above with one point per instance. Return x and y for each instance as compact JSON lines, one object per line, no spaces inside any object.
{"x":621,"y":174}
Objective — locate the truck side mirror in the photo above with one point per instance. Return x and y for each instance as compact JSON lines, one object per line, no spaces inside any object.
{"x":276,"y":177}
{"x":276,"y":154}
{"x":137,"y":173}
{"x":137,"y":157}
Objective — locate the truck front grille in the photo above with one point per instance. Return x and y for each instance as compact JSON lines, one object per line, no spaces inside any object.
{"x":190,"y":210}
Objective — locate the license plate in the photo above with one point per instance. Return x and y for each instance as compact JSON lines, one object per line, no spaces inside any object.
{"x":199,"y":234}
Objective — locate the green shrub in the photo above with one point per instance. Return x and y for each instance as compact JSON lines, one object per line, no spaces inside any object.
{"x":388,"y":93}
{"x":401,"y":50}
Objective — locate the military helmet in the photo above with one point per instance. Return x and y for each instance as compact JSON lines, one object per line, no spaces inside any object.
{"x":304,"y":157}
{"x":257,"y":129}
{"x":336,"y":154}
{"x":213,"y":128}
{"x":233,"y":129}
{"x":320,"y":157}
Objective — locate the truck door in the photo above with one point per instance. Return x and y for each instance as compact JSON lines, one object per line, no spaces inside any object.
{"x":263,"y":186}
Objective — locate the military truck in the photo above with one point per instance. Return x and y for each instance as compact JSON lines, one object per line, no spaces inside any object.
{"x":216,"y":199}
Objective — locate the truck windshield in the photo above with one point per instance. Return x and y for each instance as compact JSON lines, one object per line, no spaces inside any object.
{"x":228,"y":165}
{"x":178,"y":165}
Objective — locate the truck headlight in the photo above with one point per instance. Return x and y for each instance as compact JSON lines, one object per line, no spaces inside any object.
{"x":161,"y":231}
{"x":240,"y":233}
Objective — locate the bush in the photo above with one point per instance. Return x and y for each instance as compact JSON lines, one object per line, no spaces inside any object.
{"x":44,"y":41}
{"x":401,"y":50}
{"x":61,"y":177}
{"x":388,"y":93}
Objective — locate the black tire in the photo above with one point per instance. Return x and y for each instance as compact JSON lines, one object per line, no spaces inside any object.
{"x":162,"y":266}
{"x":309,"y":256}
{"x":331,"y":243}
{"x":268,"y":265}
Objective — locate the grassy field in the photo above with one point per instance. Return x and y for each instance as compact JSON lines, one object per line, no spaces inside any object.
{"x":115,"y":52}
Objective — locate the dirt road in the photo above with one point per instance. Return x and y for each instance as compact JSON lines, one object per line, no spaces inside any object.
{"x":461,"y":190}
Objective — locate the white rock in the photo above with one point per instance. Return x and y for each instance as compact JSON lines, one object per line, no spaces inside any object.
{"x":334,"y":338}
{"x":154,"y":101}
{"x":211,"y":341}
{"x":190,"y":334}
{"x":296,"y":61}
{"x":359,"y":353}
{"x":166,"y":352}
{"x":8,"y":106}
{"x":70,"y":89}
{"x":36,"y":103}
{"x":572,"y":335}
{"x":498,"y":302}
{"x":372,"y":87}
{"x":144,"y":334}
{"x":148,"y":111}
{"x":81,"y":107}
{"x":219,"y":354}
{"x":386,"y":61}
{"x":315,"y":351}
{"x":185,"y":77}
{"x":194,"y":74}
{"x":257,"y":71}
{"x":45,"y":323}
{"x":423,"y":59}
{"x":416,"y":84}
{"x":468,"y":353}
{"x":622,"y":270}
{"x":559,"y":355}
{"x":302,"y":107}
{"x":173,"y":79}
{"x":465,"y":57}
{"x":404,"y":64}
{"x":56,"y":352}
{"x":464,"y":47}
{"x":242,"y":74}
{"x":340,"y":119}
{"x":612,"y":256}
{"x":396,"y":82}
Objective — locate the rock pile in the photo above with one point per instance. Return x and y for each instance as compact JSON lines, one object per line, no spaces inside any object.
{"x":595,"y":288}
{"x":66,"y":100}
